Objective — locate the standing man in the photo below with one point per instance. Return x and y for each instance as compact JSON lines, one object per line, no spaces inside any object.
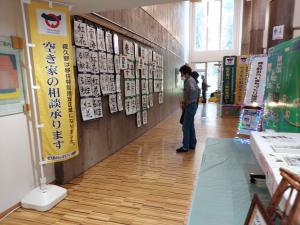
{"x":189,"y":105}
{"x":204,"y":89}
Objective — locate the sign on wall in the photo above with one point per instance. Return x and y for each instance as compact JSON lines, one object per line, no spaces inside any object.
{"x":52,"y":56}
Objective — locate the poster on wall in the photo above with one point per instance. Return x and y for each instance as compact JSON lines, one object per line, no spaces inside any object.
{"x":54,"y":75}
{"x":278,"y":32}
{"x":256,"y":82}
{"x":229,"y":74}
{"x":11,"y":83}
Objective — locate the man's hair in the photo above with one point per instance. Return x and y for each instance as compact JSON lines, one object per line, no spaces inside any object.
{"x":185,"y":69}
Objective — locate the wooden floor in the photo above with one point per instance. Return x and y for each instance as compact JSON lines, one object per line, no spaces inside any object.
{"x":145,"y":183}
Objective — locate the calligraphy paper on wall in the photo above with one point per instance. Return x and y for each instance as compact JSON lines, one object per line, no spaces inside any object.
{"x":136,"y":50}
{"x":110,"y":63}
{"x":123,"y":62}
{"x":118,"y":83}
{"x":133,"y":105}
{"x":85,"y":85}
{"x":100,"y":39}
{"x":97,"y":103}
{"x":82,"y":58}
{"x":109,"y":42}
{"x":112,"y":84}
{"x":93,"y":62}
{"x":137,"y":86}
{"x":138,"y":103}
{"x":161,"y":98}
{"x":113,"y":106}
{"x":144,"y":102}
{"x":117,"y":63}
{"x":138,"y":119}
{"x":87,"y":109}
{"x":104,"y":83}
{"x":133,"y":88}
{"x":119,"y":101}
{"x":128,"y":88}
{"x":116,"y":44}
{"x":145,"y":117}
{"x":92,"y":38}
{"x":128,"y":109}
{"x":96,"y":85}
{"x":80,"y":34}
{"x":102,"y":62}
{"x":151,"y":102}
{"x":126,"y":50}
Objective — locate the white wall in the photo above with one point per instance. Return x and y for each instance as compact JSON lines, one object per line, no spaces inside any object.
{"x":17,"y":162}
{"x":213,"y":56}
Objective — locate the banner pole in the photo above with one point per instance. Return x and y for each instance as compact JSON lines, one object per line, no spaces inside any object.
{"x":45,"y":196}
{"x":37,"y":126}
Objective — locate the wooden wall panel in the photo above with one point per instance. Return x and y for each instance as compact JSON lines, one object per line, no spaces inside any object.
{"x":100,"y":138}
{"x":281,"y":13}
{"x":171,"y":17}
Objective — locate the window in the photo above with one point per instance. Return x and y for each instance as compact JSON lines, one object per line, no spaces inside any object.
{"x":214,"y":25}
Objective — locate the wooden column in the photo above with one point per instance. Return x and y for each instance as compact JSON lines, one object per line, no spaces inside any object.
{"x":258,"y":20}
{"x":246,"y":28}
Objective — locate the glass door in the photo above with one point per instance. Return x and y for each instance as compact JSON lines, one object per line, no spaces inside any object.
{"x":211,"y":72}
{"x":212,"y":77}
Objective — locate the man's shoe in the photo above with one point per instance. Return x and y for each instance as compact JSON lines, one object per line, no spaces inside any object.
{"x":193,"y":148}
{"x":179,"y":150}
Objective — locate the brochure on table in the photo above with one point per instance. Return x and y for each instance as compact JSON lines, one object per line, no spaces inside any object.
{"x":274,"y":150}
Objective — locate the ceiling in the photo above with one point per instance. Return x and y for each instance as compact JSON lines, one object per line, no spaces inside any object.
{"x":89,"y":6}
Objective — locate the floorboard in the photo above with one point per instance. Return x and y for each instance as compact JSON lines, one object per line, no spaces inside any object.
{"x":145,"y":183}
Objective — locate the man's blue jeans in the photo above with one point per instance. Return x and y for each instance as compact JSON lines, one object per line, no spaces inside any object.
{"x":188,"y":128}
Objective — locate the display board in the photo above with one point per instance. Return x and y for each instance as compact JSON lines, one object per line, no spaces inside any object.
{"x":282,"y":88}
{"x":229,"y":76}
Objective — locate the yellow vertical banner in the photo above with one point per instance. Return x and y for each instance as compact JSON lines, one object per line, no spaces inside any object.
{"x":50,"y":32}
{"x":241,"y":79}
